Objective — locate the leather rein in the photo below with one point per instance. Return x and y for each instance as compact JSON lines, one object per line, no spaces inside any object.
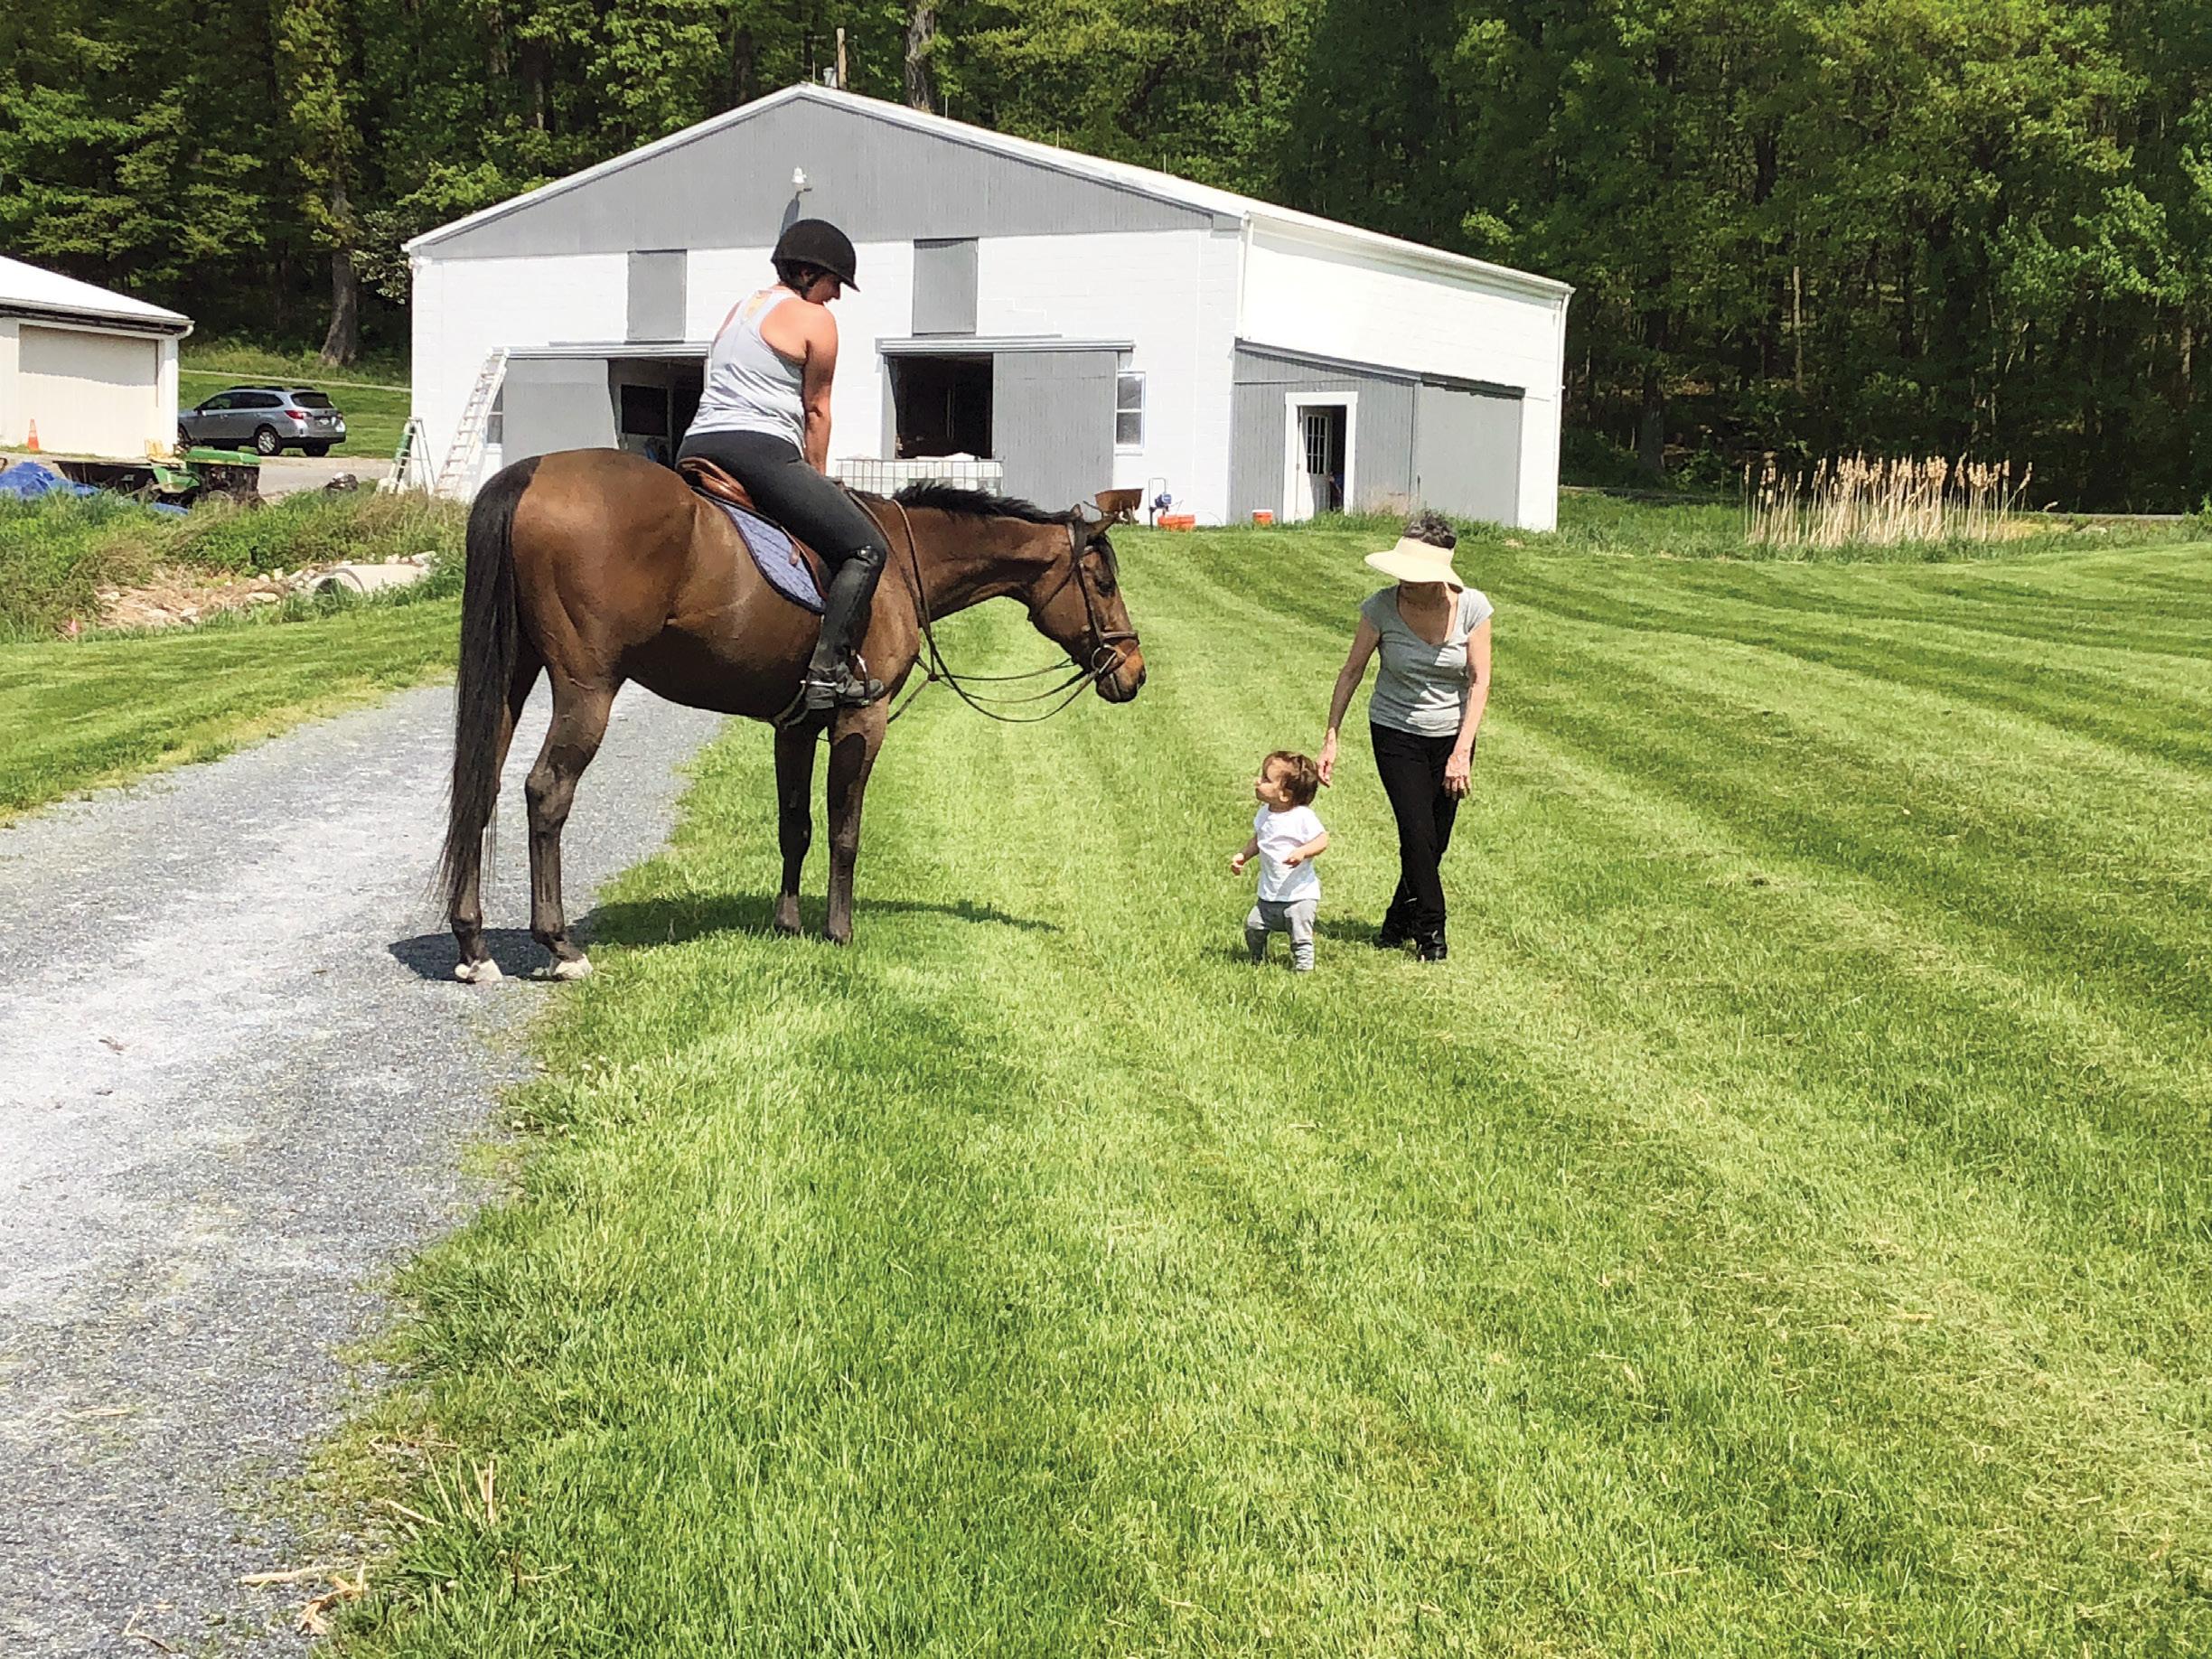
{"x":1104,"y":658}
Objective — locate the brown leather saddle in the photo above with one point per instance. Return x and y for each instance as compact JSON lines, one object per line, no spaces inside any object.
{"x":710,"y":481}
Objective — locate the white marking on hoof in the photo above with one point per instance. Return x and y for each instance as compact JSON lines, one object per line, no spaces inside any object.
{"x":571,"y":968}
{"x":486,"y":972}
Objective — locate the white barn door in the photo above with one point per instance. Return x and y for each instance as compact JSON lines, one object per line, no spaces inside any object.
{"x":1320,"y":431}
{"x":91,"y":394}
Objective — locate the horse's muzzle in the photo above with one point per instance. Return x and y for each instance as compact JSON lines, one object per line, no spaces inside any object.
{"x":1123,"y":680}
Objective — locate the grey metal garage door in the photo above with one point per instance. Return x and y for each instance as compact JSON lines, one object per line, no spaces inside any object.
{"x":552,"y":403}
{"x":1466,"y":452}
{"x":1053,"y":424}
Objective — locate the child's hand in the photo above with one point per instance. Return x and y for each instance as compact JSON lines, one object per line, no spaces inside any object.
{"x":1293,"y":861}
{"x":1237,"y":864}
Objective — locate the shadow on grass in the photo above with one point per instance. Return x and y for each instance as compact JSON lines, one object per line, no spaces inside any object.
{"x":1347,"y":931}
{"x":658,"y":921}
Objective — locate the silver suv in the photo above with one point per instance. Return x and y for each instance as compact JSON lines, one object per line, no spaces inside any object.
{"x":267,"y":418}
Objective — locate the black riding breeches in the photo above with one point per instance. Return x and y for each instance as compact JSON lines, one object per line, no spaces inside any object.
{"x":815,"y":508}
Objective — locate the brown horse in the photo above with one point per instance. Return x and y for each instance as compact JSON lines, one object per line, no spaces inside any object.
{"x":600,"y":568}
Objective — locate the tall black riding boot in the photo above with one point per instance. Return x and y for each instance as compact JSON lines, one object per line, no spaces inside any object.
{"x":830,"y":679}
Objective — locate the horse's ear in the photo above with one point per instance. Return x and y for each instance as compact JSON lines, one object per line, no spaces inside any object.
{"x":1086,"y":513}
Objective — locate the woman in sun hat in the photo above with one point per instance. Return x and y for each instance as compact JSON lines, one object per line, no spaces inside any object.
{"x":1434,"y":633}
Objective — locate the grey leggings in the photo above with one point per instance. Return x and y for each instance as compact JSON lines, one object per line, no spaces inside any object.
{"x":1294,"y":918}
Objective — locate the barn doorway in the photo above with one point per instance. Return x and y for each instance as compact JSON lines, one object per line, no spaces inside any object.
{"x":942,"y":405}
{"x":655,"y":400}
{"x":1318,"y":432}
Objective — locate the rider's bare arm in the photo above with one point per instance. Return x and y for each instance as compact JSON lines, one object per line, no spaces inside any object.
{"x":822,"y":353}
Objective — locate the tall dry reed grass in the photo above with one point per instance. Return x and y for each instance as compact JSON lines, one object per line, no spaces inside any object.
{"x":1860,"y":500}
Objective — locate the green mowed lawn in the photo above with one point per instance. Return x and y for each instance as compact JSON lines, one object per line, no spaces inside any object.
{"x":1782,"y":1226}
{"x":108,"y":707}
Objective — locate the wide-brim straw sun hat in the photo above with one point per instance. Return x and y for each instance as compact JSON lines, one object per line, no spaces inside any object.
{"x":1417,"y":561}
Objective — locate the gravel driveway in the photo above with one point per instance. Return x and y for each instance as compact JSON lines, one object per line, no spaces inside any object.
{"x":235,"y":1079}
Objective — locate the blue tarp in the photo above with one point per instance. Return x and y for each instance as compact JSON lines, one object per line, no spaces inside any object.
{"x":29,"y":480}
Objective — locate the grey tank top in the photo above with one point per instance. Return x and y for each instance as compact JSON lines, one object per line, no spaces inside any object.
{"x":751,"y":387}
{"x":1421,"y":687}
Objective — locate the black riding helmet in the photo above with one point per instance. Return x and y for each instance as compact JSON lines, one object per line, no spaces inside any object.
{"x":818,"y":242}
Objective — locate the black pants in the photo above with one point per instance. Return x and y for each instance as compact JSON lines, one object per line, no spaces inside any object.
{"x":1412,"y":768}
{"x":816,"y":510}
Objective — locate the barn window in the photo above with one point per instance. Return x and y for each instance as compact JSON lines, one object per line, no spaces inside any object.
{"x":1128,"y":410}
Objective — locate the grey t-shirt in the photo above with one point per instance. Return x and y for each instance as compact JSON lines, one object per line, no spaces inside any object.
{"x":1421,"y":687}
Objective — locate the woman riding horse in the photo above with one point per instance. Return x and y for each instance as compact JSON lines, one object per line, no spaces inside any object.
{"x":764,"y":419}
{"x":597,"y":570}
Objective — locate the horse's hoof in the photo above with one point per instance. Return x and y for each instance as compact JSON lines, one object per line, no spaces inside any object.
{"x":486,"y":972}
{"x":571,"y":968}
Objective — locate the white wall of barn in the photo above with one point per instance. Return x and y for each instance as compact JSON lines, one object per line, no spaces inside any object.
{"x":1182,"y":297}
{"x":464,"y":308}
{"x":1309,"y":295}
{"x":1171,"y":293}
{"x":91,"y":391}
{"x":13,"y":421}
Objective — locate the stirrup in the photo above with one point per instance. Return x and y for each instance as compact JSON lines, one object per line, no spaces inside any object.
{"x":818,"y":694}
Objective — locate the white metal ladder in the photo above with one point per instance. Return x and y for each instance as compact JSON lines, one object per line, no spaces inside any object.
{"x":467,"y":452}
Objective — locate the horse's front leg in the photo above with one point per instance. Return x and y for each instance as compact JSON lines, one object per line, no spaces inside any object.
{"x":854,"y":741}
{"x":794,"y":765}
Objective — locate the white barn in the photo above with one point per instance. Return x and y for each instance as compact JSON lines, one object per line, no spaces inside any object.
{"x":1086,"y":324}
{"x":95,"y":374}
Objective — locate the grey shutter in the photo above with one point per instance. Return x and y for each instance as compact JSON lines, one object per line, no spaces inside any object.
{"x":656,"y":297}
{"x":944,"y":287}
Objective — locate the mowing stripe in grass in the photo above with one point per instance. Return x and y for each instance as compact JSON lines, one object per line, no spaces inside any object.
{"x":1780,"y":1229}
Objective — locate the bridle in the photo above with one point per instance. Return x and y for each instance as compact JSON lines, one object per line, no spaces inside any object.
{"x":1103,"y":657}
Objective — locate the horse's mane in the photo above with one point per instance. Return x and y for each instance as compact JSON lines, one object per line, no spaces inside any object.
{"x":975,"y":503}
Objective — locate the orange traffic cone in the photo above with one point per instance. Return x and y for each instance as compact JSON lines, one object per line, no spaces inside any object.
{"x":32,"y":446}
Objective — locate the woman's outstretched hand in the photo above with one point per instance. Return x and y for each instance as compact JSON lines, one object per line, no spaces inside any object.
{"x":1327,"y":764}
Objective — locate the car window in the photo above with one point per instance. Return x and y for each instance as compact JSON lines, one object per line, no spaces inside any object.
{"x":313,"y":400}
{"x":262,"y":400}
{"x":221,"y":400}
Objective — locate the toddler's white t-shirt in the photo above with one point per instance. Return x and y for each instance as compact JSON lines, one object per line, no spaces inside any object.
{"x":1280,"y":834}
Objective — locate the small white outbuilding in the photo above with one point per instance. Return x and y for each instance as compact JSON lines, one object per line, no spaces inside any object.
{"x":1082,"y":323}
{"x":87,"y":371}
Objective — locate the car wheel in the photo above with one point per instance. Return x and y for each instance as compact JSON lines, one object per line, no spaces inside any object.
{"x":317,"y":450}
{"x":266,"y":442}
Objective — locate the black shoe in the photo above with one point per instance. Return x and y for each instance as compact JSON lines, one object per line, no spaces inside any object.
{"x":824,"y":693}
{"x":1433,"y":949}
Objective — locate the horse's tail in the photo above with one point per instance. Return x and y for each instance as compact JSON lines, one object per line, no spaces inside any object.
{"x":491,"y":645}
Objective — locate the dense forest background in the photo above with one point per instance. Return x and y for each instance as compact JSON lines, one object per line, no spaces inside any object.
{"x":1919,"y":227}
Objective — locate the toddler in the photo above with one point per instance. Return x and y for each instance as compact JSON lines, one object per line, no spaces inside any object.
{"x":1288,"y":838}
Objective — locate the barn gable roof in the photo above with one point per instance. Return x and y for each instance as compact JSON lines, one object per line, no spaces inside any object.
{"x":28,"y":287}
{"x":1178,"y":197}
